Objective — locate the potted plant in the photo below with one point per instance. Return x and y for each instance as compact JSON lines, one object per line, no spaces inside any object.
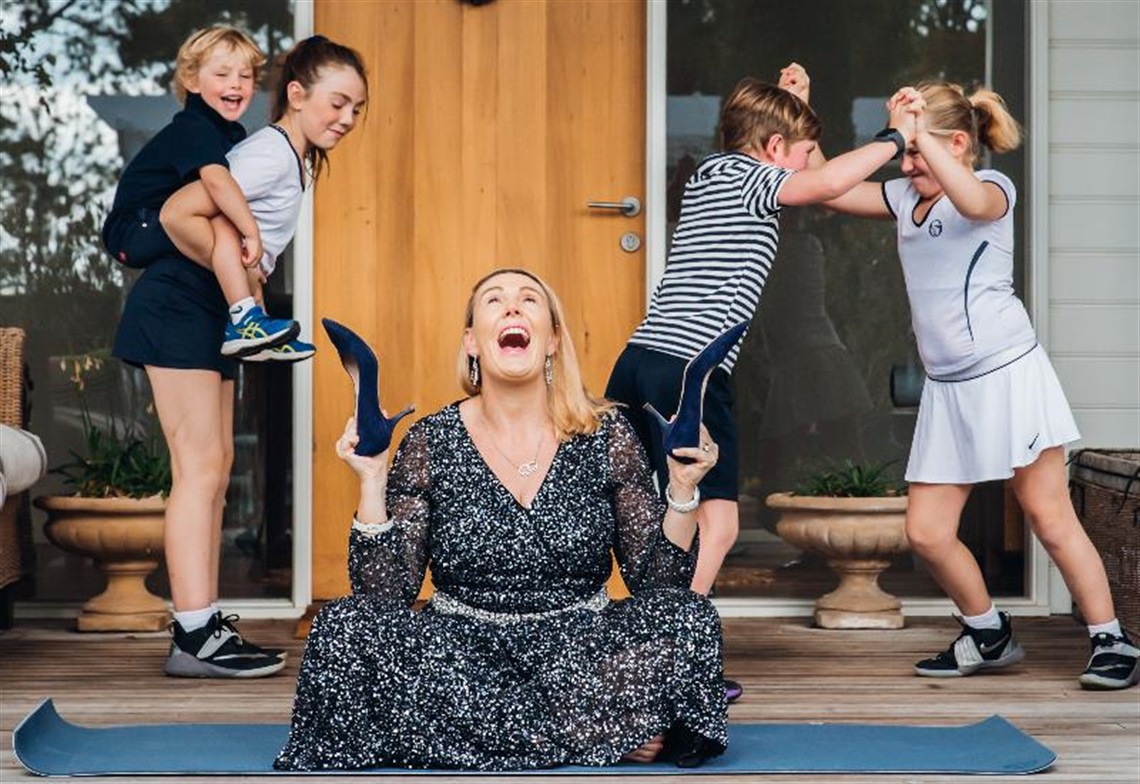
{"x":855,"y":518}
{"x":115,"y":516}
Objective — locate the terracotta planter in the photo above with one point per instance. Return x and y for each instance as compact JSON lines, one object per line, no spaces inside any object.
{"x":123,"y":536}
{"x":858,"y":537}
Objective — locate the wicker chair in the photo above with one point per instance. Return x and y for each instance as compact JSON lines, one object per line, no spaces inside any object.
{"x":11,"y":413}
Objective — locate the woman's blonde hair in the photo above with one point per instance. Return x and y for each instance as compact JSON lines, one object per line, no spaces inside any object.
{"x":199,"y":44}
{"x":755,"y":111}
{"x":983,"y":115}
{"x":573,"y":410}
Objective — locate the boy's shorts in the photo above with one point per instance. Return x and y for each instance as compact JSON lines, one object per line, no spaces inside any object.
{"x":642,"y":375}
{"x":137,"y":239}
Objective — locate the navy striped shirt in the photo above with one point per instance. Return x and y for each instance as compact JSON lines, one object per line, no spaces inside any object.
{"x":722,"y":251}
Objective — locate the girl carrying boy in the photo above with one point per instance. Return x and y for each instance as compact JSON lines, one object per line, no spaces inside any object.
{"x":175,"y":316}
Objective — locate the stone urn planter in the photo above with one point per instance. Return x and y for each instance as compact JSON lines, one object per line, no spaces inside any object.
{"x":858,"y":537}
{"x":123,"y":536}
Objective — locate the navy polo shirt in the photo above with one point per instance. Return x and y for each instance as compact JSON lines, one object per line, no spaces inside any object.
{"x":197,"y":136}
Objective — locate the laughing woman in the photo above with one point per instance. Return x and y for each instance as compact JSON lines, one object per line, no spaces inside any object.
{"x":515,"y":497}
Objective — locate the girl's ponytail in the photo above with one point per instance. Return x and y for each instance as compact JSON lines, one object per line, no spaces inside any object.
{"x":996,"y":127}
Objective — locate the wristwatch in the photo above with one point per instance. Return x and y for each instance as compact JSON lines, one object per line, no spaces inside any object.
{"x":891,"y":135}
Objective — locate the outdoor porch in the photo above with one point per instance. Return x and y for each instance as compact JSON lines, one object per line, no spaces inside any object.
{"x":791,"y":673}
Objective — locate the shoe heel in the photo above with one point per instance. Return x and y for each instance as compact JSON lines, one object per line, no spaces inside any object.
{"x":359,"y":361}
{"x":685,"y":429}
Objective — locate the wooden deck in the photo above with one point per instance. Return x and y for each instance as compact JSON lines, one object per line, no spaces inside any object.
{"x":791,"y":674}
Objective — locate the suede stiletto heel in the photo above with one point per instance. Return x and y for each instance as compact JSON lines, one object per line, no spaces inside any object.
{"x":685,"y":429}
{"x":374,"y":429}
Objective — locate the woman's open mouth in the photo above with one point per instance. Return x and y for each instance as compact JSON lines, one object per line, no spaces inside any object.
{"x":514,"y":338}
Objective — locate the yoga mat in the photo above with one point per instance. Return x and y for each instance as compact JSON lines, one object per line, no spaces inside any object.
{"x":46,"y":744}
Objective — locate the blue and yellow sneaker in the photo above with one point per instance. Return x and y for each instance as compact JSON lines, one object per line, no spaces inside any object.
{"x":293,"y":351}
{"x":257,"y":331}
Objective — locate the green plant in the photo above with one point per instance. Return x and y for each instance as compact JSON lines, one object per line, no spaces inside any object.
{"x":850,"y":480}
{"x":122,"y":460}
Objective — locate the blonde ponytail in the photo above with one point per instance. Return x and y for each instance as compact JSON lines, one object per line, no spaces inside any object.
{"x":996,"y":127}
{"x":983,"y":116}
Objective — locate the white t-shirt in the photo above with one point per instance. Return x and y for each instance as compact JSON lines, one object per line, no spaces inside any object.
{"x":959,"y":279}
{"x":270,"y":174}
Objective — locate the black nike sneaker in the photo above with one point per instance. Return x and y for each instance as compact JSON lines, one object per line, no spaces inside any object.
{"x":1115,"y":663}
{"x":974,"y":650}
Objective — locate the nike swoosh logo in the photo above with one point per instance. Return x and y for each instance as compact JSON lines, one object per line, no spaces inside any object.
{"x":1034,"y":441}
{"x":989,"y":648}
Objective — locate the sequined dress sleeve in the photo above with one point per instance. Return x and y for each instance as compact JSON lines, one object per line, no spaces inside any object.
{"x":645,"y":556}
{"x":392,"y":564}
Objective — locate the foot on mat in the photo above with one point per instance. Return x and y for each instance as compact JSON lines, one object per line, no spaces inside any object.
{"x":217,"y":650}
{"x":732,"y":690}
{"x":1114,"y":664}
{"x":974,"y":650}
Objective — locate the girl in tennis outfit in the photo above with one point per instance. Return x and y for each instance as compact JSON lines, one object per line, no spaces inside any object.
{"x":992,"y":407}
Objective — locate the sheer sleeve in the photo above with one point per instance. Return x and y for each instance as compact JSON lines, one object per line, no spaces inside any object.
{"x":392,"y":563}
{"x":645,"y":556}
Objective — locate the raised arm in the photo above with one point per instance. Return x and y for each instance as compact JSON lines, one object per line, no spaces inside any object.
{"x":973,"y":198}
{"x":826,"y":181}
{"x":388,"y":544}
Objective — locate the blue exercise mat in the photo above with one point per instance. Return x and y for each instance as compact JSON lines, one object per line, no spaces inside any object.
{"x":48,"y":745}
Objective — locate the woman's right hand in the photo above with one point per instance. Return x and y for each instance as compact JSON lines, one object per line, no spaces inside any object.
{"x":370,"y":470}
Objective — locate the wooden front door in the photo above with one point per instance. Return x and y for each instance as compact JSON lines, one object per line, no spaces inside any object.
{"x":489,"y":128}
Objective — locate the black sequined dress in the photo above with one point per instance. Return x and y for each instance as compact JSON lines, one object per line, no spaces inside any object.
{"x":504,"y":676}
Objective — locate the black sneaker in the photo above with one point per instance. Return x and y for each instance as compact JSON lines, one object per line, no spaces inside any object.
{"x":975,"y":649}
{"x":227,"y":623}
{"x":215,"y":651}
{"x":1115,"y":663}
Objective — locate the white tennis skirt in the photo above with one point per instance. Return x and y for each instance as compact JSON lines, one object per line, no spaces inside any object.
{"x":981,"y":429}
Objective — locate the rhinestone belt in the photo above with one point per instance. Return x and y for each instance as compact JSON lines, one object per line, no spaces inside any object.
{"x":448,"y":605}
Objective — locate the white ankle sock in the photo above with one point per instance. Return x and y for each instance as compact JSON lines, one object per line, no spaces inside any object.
{"x":240,"y":308}
{"x":1112,"y":627}
{"x":195,"y":619}
{"x":987,"y":620}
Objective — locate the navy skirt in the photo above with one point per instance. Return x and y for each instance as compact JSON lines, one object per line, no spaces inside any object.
{"x":175,"y":317}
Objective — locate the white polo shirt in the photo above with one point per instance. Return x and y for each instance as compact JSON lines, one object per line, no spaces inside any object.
{"x":959,"y":279}
{"x":270,"y":174}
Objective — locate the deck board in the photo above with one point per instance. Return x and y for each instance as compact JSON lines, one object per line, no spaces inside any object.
{"x":791,"y":673}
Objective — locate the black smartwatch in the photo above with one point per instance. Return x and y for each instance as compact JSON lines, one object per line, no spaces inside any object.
{"x":891,"y":135}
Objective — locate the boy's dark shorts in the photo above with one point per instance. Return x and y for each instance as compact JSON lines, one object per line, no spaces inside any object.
{"x":137,"y":239}
{"x":642,"y":375}
{"x":175,"y":317}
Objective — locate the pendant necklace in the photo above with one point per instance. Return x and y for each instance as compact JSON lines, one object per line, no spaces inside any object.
{"x":528,"y":468}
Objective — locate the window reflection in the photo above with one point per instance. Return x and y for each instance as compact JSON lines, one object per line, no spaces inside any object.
{"x":87,"y":88}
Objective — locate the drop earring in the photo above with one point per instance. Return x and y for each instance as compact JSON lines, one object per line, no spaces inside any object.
{"x":548,"y":370}
{"x":474,"y":365}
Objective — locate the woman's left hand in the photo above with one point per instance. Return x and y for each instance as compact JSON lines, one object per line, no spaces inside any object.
{"x":684,"y":477}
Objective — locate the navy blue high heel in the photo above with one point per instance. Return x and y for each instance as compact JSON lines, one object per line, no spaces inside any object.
{"x":685,"y":429}
{"x":374,"y":429}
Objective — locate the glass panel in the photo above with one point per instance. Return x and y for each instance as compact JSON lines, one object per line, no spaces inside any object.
{"x":88,"y":88}
{"x":813,"y":384}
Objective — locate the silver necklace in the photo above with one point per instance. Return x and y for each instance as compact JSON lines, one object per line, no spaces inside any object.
{"x":530,"y":466}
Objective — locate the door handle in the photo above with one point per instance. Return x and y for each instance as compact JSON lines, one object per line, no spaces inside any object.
{"x":629,"y":206}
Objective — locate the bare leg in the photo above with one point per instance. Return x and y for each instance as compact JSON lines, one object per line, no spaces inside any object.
{"x":647,"y":751}
{"x":207,"y":237}
{"x":932,"y":516}
{"x":189,"y":404}
{"x":227,"y":438}
{"x":719,"y":523}
{"x":186,"y":218}
{"x":1042,"y":489}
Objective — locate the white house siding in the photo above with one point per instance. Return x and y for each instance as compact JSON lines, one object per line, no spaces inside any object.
{"x":1088,"y":288}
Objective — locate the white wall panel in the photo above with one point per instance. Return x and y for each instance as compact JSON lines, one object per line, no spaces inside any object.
{"x":1095,"y":20}
{"x":1116,"y":68}
{"x":1087,"y":121}
{"x":1087,"y":226}
{"x":1107,"y":428}
{"x":1107,"y":277}
{"x":1095,"y":172}
{"x":1096,"y":330}
{"x":1099,"y":382}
